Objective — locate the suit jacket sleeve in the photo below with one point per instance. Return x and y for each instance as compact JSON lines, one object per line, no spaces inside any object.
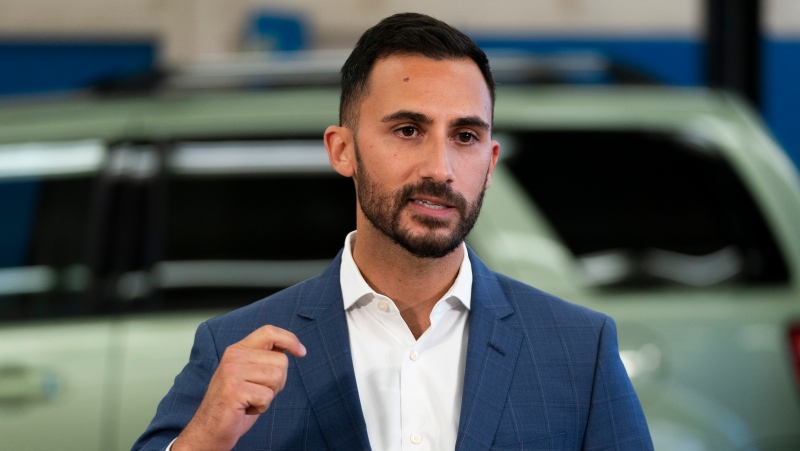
{"x":181,"y":402}
{"x":616,"y":420}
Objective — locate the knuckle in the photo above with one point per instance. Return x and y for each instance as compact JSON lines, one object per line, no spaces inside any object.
{"x":227,"y":369}
{"x":235,"y":386}
{"x":282,"y":360}
{"x":262,"y":399}
{"x":269,"y":395}
{"x":280,"y":384}
{"x":276,"y":377}
{"x":269,"y":329}
{"x":272,"y":374}
{"x":232,"y":352}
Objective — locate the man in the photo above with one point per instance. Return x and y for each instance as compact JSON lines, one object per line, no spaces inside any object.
{"x":407,"y":341}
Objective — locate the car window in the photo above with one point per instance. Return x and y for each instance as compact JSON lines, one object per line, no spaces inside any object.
{"x":647,"y":208}
{"x":46,"y":200}
{"x":242,"y":220}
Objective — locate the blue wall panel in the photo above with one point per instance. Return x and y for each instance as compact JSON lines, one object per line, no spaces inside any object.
{"x":780,"y":94}
{"x":28,"y":66}
{"x":671,"y":60}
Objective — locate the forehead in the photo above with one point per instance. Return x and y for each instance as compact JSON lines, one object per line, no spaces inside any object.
{"x":434,"y":87}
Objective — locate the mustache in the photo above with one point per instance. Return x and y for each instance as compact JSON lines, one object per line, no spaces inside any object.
{"x":429,"y":187}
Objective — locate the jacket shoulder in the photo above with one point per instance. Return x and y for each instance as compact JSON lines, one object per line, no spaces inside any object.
{"x":571,"y":356}
{"x":544,"y":308}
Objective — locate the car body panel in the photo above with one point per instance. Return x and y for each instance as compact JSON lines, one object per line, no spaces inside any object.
{"x":711,"y":365}
{"x":50,"y":372}
{"x":172,"y":335}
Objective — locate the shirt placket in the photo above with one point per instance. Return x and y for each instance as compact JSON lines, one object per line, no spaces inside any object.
{"x":413,"y":401}
{"x":419,"y":426}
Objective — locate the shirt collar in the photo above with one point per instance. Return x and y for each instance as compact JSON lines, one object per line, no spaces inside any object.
{"x":354,"y":287}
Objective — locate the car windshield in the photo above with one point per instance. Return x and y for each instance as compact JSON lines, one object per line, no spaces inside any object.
{"x":641,"y":208}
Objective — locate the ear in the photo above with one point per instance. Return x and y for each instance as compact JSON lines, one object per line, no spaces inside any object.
{"x":339,"y":144}
{"x":492,"y":162}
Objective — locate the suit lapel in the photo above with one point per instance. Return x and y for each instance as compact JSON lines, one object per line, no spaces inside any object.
{"x":327,"y":370}
{"x":491,"y":359}
{"x":329,"y":379}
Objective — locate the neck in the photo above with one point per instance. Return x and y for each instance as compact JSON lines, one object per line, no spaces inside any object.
{"x":414,"y":284}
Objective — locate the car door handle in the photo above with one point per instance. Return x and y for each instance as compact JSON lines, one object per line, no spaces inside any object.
{"x":20,"y":384}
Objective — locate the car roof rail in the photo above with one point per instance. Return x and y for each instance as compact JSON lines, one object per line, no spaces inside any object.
{"x":321,"y":68}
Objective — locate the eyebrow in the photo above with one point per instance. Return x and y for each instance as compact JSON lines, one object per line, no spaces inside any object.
{"x":420,"y":118}
{"x":407,"y":115}
{"x":470,"y":121}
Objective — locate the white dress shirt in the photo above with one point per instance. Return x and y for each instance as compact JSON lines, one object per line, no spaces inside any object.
{"x":410,"y":390}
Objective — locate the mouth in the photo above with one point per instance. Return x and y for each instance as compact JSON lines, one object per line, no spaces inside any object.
{"x":433,"y":204}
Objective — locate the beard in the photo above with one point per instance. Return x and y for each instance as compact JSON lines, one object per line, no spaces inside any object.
{"x":384,"y":210}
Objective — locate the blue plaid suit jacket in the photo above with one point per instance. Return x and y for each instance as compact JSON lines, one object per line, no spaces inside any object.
{"x":541,"y":374}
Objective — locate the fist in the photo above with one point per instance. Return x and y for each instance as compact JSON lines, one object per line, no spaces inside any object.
{"x":249,"y":376}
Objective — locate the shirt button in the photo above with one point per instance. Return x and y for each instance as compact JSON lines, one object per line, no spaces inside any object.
{"x":413,"y":356}
{"x":383,"y":306}
{"x":416,"y":439}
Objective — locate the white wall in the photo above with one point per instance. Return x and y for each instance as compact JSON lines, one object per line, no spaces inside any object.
{"x":189,"y":29}
{"x":782,"y":18}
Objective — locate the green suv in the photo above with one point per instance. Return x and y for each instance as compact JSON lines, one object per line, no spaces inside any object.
{"x":126,"y":221}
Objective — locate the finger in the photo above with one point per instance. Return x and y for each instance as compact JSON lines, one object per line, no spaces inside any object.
{"x":238,"y":353}
{"x":257,"y":398}
{"x":272,"y":374}
{"x":274,"y":338}
{"x":254,"y":385}
{"x":253,"y":366}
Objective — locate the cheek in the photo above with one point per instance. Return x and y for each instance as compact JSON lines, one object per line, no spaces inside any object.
{"x":387,"y":171}
{"x":473,"y":172}
{"x":395,"y":166}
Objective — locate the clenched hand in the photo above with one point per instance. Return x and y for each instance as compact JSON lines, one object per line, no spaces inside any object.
{"x":250,"y":374}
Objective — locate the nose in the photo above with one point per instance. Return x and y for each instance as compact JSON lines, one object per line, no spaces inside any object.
{"x":436,"y":164}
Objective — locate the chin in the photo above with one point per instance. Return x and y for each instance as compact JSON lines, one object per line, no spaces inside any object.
{"x":428,"y":244}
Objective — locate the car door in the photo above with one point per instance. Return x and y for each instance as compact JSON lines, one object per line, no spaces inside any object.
{"x":54,"y":342}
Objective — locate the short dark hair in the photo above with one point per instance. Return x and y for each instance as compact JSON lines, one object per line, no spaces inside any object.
{"x":403,"y":34}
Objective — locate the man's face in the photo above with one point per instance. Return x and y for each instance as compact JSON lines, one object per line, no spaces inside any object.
{"x":385,"y":209}
{"x":424,"y":154}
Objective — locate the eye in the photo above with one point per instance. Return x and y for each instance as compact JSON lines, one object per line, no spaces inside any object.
{"x":407,"y":131}
{"x":466,"y":137}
